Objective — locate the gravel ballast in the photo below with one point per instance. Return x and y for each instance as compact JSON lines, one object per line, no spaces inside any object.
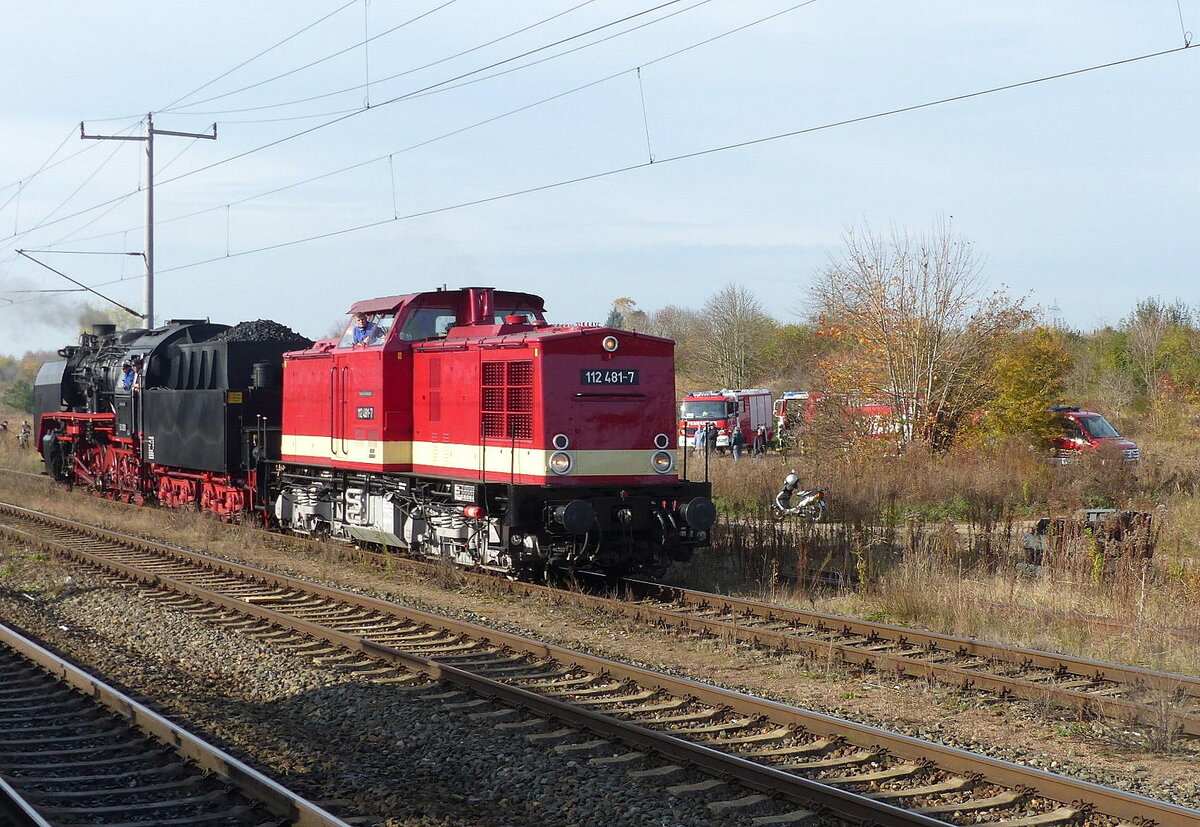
{"x":394,"y":754}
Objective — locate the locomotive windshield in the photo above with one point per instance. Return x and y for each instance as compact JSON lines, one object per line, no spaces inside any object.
{"x":427,"y":323}
{"x":432,"y":322}
{"x":707,"y":409}
{"x":367,"y":329}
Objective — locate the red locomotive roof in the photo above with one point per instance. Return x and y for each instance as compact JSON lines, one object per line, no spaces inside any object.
{"x":513,"y":333}
{"x":448,"y":298}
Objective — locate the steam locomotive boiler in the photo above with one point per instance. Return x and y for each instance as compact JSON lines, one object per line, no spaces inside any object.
{"x":458,"y":425}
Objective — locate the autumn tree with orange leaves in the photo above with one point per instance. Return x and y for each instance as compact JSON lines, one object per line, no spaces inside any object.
{"x":916,"y":326}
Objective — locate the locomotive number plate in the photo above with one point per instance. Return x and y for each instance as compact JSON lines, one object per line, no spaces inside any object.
{"x":608,"y":377}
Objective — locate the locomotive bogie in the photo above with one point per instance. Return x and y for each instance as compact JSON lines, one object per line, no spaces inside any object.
{"x":516,"y":529}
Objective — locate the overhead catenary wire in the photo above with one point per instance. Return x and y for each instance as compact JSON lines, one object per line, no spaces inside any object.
{"x":309,"y":65}
{"x":703,"y":152}
{"x":356,"y":112}
{"x":169,"y":107}
{"x":426,"y":88}
{"x":46,"y":219}
{"x":406,"y":72}
{"x":1187,"y":36}
{"x":24,"y":182}
{"x":471,"y":126}
{"x":676,"y":158}
{"x":47,"y":165}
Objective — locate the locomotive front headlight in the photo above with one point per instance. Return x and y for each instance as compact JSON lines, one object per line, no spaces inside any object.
{"x":662,"y":462}
{"x":560,"y":462}
{"x":610,"y":343}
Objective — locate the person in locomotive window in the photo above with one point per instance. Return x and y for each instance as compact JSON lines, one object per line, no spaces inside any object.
{"x":139,"y":369}
{"x":126,"y":376}
{"x":366,"y":331}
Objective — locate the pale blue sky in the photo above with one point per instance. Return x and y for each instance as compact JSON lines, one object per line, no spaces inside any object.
{"x":1081,"y":192}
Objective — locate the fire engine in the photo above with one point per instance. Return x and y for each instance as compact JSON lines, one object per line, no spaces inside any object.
{"x":863,"y":416}
{"x":745,"y":410}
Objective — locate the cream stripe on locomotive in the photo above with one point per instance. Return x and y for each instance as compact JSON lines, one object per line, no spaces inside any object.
{"x":348,"y":450}
{"x":497,"y":459}
{"x":534,"y":461}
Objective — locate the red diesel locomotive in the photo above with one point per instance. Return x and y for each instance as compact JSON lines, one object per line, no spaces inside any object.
{"x":456,"y":424}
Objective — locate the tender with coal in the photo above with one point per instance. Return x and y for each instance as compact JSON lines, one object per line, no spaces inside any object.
{"x":263,"y":330}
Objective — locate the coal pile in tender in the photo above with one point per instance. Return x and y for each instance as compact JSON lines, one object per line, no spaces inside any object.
{"x":263,"y":330}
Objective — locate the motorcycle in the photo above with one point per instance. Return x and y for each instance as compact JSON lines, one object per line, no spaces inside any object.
{"x":810,"y":504}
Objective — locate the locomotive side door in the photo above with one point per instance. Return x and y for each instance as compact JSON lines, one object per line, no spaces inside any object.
{"x":356,"y":390}
{"x":355,"y":410}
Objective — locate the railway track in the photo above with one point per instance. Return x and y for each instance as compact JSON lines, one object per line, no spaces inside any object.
{"x":1167,"y":702}
{"x":826,"y":768}
{"x":1126,"y":693}
{"x":73,"y":750}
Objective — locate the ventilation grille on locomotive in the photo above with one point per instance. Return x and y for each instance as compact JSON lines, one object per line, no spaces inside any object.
{"x":508,"y":400}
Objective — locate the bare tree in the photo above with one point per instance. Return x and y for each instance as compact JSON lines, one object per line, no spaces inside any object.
{"x":735,"y":329}
{"x":625,"y":315}
{"x":685,"y":327}
{"x":915,"y":312}
{"x":1147,"y":328}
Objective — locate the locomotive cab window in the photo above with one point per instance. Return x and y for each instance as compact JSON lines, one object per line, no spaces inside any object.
{"x":367,"y":329}
{"x":516,"y":317}
{"x":427,"y":323}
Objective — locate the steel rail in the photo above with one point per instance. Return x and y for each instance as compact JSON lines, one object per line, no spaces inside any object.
{"x":15,"y":810}
{"x":252,"y":783}
{"x":1111,"y":802}
{"x":881,"y":636}
{"x":1171,"y":686}
{"x":820,"y":797}
{"x":1165,"y":681}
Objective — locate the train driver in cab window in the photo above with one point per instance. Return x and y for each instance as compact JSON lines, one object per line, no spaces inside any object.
{"x":367,"y":330}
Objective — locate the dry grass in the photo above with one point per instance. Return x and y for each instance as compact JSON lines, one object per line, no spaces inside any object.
{"x":934,"y":542}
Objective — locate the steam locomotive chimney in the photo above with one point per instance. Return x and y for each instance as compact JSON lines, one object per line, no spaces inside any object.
{"x":478,"y":307}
